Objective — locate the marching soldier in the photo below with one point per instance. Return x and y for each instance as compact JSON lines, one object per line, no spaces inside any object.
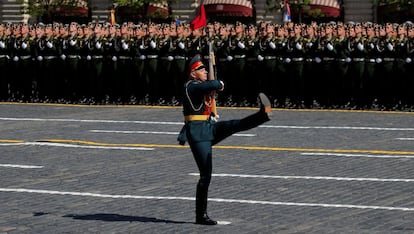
{"x":238,"y":82}
{"x":166,"y":61}
{"x":139,"y":83}
{"x":296,"y":53}
{"x":5,"y":52}
{"x":96,"y":52}
{"x":151,"y":50}
{"x":179,"y":65}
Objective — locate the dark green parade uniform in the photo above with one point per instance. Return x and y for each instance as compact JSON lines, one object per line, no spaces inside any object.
{"x":5,"y":52}
{"x":71,"y":47}
{"x":123,"y":77}
{"x":342,"y":60}
{"x":400,"y":70}
{"x":238,"y":82}
{"x":152,"y":76}
{"x":269,"y":81}
{"x":252,"y":45}
{"x":139,"y":83}
{"x":166,"y":61}
{"x":96,"y":57}
{"x":296,"y":55}
{"x":22,"y":54}
{"x":410,"y":68}
{"x":386,"y":47}
{"x":280,"y":77}
{"x":310,"y":72}
{"x":371,"y":77}
{"x":222,"y":52}
{"x":179,"y":66}
{"x":356,"y":68}
{"x":327,"y":56}
{"x":201,"y":132}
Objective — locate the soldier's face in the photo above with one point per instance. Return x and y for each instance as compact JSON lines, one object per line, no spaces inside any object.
{"x":200,"y":74}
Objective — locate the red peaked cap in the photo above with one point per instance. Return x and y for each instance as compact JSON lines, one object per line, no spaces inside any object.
{"x":196,"y":63}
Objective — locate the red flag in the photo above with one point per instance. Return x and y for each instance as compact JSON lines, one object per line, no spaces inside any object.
{"x":200,"y":20}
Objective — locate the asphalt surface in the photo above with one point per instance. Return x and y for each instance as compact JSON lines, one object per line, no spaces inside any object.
{"x":119,"y":169}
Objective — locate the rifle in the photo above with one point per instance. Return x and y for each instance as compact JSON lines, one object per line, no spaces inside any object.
{"x":212,"y":73}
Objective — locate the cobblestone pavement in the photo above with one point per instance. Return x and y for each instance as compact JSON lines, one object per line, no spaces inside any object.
{"x":119,"y":169}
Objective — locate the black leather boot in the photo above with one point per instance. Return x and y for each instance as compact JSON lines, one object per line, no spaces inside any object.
{"x":205,"y":220}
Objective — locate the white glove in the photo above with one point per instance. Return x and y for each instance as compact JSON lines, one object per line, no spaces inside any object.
{"x":152,"y":44}
{"x":310,"y":44}
{"x":142,"y":57}
{"x":348,"y":59}
{"x":39,"y":58}
{"x":329,"y":46}
{"x":260,"y":58}
{"x":2,"y":45}
{"x":272,"y":45}
{"x":378,"y":60}
{"x":229,"y":58}
{"x":141,"y":47}
{"x":222,"y":85}
{"x":88,"y":57}
{"x":287,"y":60}
{"x":318,"y":60}
{"x":48,"y":44}
{"x":390,"y":46}
{"x":98,"y":45}
{"x":371,"y":45}
{"x":170,"y":58}
{"x":114,"y":58}
{"x":360,"y":46}
{"x":124,"y":46}
{"x":408,"y":60}
{"x":63,"y":57}
{"x":72,"y":42}
{"x":298,"y":46}
{"x":241,"y":45}
{"x":24,"y":45}
{"x":181,"y":45}
{"x":15,"y":58}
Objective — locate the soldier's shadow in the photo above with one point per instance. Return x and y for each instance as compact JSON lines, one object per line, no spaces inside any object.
{"x":120,"y":218}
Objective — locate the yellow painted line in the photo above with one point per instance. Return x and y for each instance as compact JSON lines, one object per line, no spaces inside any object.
{"x":220,"y":107}
{"x":11,"y":141}
{"x":258,"y":148}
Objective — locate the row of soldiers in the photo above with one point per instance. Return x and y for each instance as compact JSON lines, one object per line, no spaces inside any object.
{"x":298,"y":65}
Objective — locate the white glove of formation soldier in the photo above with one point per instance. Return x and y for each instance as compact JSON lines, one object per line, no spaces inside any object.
{"x":329,"y":46}
{"x":2,"y":45}
{"x":142,"y":57}
{"x":152,"y":44}
{"x":272,"y":45}
{"x":181,"y":45}
{"x":371,"y":45}
{"x":318,"y":60}
{"x":287,"y":60}
{"x":114,"y":58}
{"x":39,"y":58}
{"x":98,"y":45}
{"x":170,"y":58}
{"x":88,"y":57}
{"x":229,"y":58}
{"x":24,"y":45}
{"x":260,"y":58}
{"x":241,"y":45}
{"x":63,"y":57}
{"x":15,"y":58}
{"x":309,"y":44}
{"x":360,"y":46}
{"x":408,"y":60}
{"x":72,"y":42}
{"x":390,"y":46}
{"x":48,"y":44}
{"x":125,"y":46}
{"x":298,"y":46}
{"x":348,"y":59}
{"x":378,"y":60}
